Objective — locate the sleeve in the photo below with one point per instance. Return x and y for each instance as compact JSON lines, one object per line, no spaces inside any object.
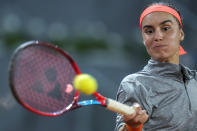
{"x":130,"y":91}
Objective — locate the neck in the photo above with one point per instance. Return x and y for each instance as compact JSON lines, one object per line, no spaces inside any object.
{"x":173,"y":60}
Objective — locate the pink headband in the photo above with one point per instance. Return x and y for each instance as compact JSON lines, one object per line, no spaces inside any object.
{"x":163,"y":8}
{"x":160,"y":8}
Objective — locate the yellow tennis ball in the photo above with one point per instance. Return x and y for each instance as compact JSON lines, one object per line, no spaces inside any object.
{"x":85,"y":83}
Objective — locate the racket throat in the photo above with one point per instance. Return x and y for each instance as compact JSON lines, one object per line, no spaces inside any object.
{"x":100,"y":98}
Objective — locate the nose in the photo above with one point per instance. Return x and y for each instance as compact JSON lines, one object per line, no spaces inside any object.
{"x":158,"y":36}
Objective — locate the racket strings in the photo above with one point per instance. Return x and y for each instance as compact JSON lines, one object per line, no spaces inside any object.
{"x":41,"y":78}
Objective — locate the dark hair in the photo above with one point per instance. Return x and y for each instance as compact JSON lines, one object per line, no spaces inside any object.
{"x":171,"y":5}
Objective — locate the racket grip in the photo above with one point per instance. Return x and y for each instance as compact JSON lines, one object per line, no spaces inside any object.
{"x":120,"y":108}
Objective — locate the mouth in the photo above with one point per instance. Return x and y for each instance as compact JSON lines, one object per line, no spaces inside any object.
{"x":159,"y":46}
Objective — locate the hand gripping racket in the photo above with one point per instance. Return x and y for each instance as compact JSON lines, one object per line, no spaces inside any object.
{"x":41,"y":79}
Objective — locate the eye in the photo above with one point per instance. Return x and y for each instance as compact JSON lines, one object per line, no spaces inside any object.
{"x":149,"y":31}
{"x":166,"y":28}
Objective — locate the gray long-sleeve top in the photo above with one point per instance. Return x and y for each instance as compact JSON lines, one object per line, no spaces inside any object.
{"x":168,"y":93}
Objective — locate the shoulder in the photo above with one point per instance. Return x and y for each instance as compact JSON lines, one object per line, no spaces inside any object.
{"x":133,"y":88}
{"x":133,"y":81}
{"x":137,"y":78}
{"x":134,"y":76}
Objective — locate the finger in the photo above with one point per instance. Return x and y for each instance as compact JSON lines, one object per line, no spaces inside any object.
{"x":142,"y":116}
{"x":142,"y":112}
{"x":137,"y":106}
{"x":128,"y":117}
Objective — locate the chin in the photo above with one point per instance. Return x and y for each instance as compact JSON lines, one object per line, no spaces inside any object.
{"x":160,"y":57}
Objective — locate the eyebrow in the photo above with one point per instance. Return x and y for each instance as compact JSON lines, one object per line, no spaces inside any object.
{"x":163,"y":22}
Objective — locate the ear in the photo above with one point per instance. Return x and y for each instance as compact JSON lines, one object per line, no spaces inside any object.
{"x":182,"y":35}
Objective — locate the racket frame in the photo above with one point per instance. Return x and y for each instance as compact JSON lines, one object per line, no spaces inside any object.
{"x":11,"y":67}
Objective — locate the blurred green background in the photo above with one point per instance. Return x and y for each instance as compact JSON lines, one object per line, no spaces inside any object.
{"x":103,"y":37}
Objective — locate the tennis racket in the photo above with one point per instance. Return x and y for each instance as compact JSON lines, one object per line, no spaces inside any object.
{"x":41,"y":79}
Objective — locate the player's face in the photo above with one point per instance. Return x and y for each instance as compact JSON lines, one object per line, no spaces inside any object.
{"x":162,"y":36}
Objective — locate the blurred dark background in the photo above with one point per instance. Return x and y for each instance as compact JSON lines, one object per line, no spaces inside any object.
{"x":102,"y":36}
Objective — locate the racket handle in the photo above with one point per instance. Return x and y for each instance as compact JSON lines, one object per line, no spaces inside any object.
{"x":118,"y":107}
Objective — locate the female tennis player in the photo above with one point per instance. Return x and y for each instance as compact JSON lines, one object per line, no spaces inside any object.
{"x":165,"y":90}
